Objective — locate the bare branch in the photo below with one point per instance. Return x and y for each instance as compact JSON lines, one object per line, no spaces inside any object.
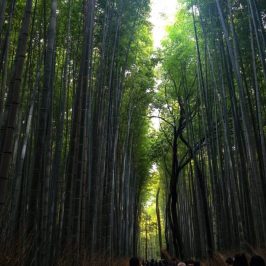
{"x":155,"y":116}
{"x":191,"y":151}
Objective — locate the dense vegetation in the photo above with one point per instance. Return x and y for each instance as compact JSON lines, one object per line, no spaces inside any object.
{"x":77,"y":90}
{"x":212,"y":108}
{"x":76,"y":79}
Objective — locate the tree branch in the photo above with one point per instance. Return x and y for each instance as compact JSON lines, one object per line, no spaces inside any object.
{"x":155,"y":116}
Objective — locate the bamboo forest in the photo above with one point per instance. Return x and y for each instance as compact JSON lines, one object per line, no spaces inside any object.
{"x":128,"y":138}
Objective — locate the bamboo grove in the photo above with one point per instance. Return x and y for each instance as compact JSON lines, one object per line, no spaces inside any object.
{"x":211,"y":102}
{"x":76,"y":79}
{"x":77,"y":90}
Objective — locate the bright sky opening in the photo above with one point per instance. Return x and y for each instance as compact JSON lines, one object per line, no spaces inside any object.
{"x":162,"y":14}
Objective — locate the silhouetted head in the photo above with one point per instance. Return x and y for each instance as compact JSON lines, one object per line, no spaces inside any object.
{"x":257,"y":261}
{"x":240,"y":260}
{"x":229,"y":261}
{"x":134,"y":262}
{"x":189,"y":262}
{"x":196,"y":263}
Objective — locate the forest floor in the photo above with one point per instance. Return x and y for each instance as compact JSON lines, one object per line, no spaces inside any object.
{"x":218,"y":259}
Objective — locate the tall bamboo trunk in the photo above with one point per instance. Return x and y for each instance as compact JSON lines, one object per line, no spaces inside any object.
{"x":12,"y":105}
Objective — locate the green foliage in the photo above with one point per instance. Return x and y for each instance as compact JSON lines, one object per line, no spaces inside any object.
{"x":179,"y":47}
